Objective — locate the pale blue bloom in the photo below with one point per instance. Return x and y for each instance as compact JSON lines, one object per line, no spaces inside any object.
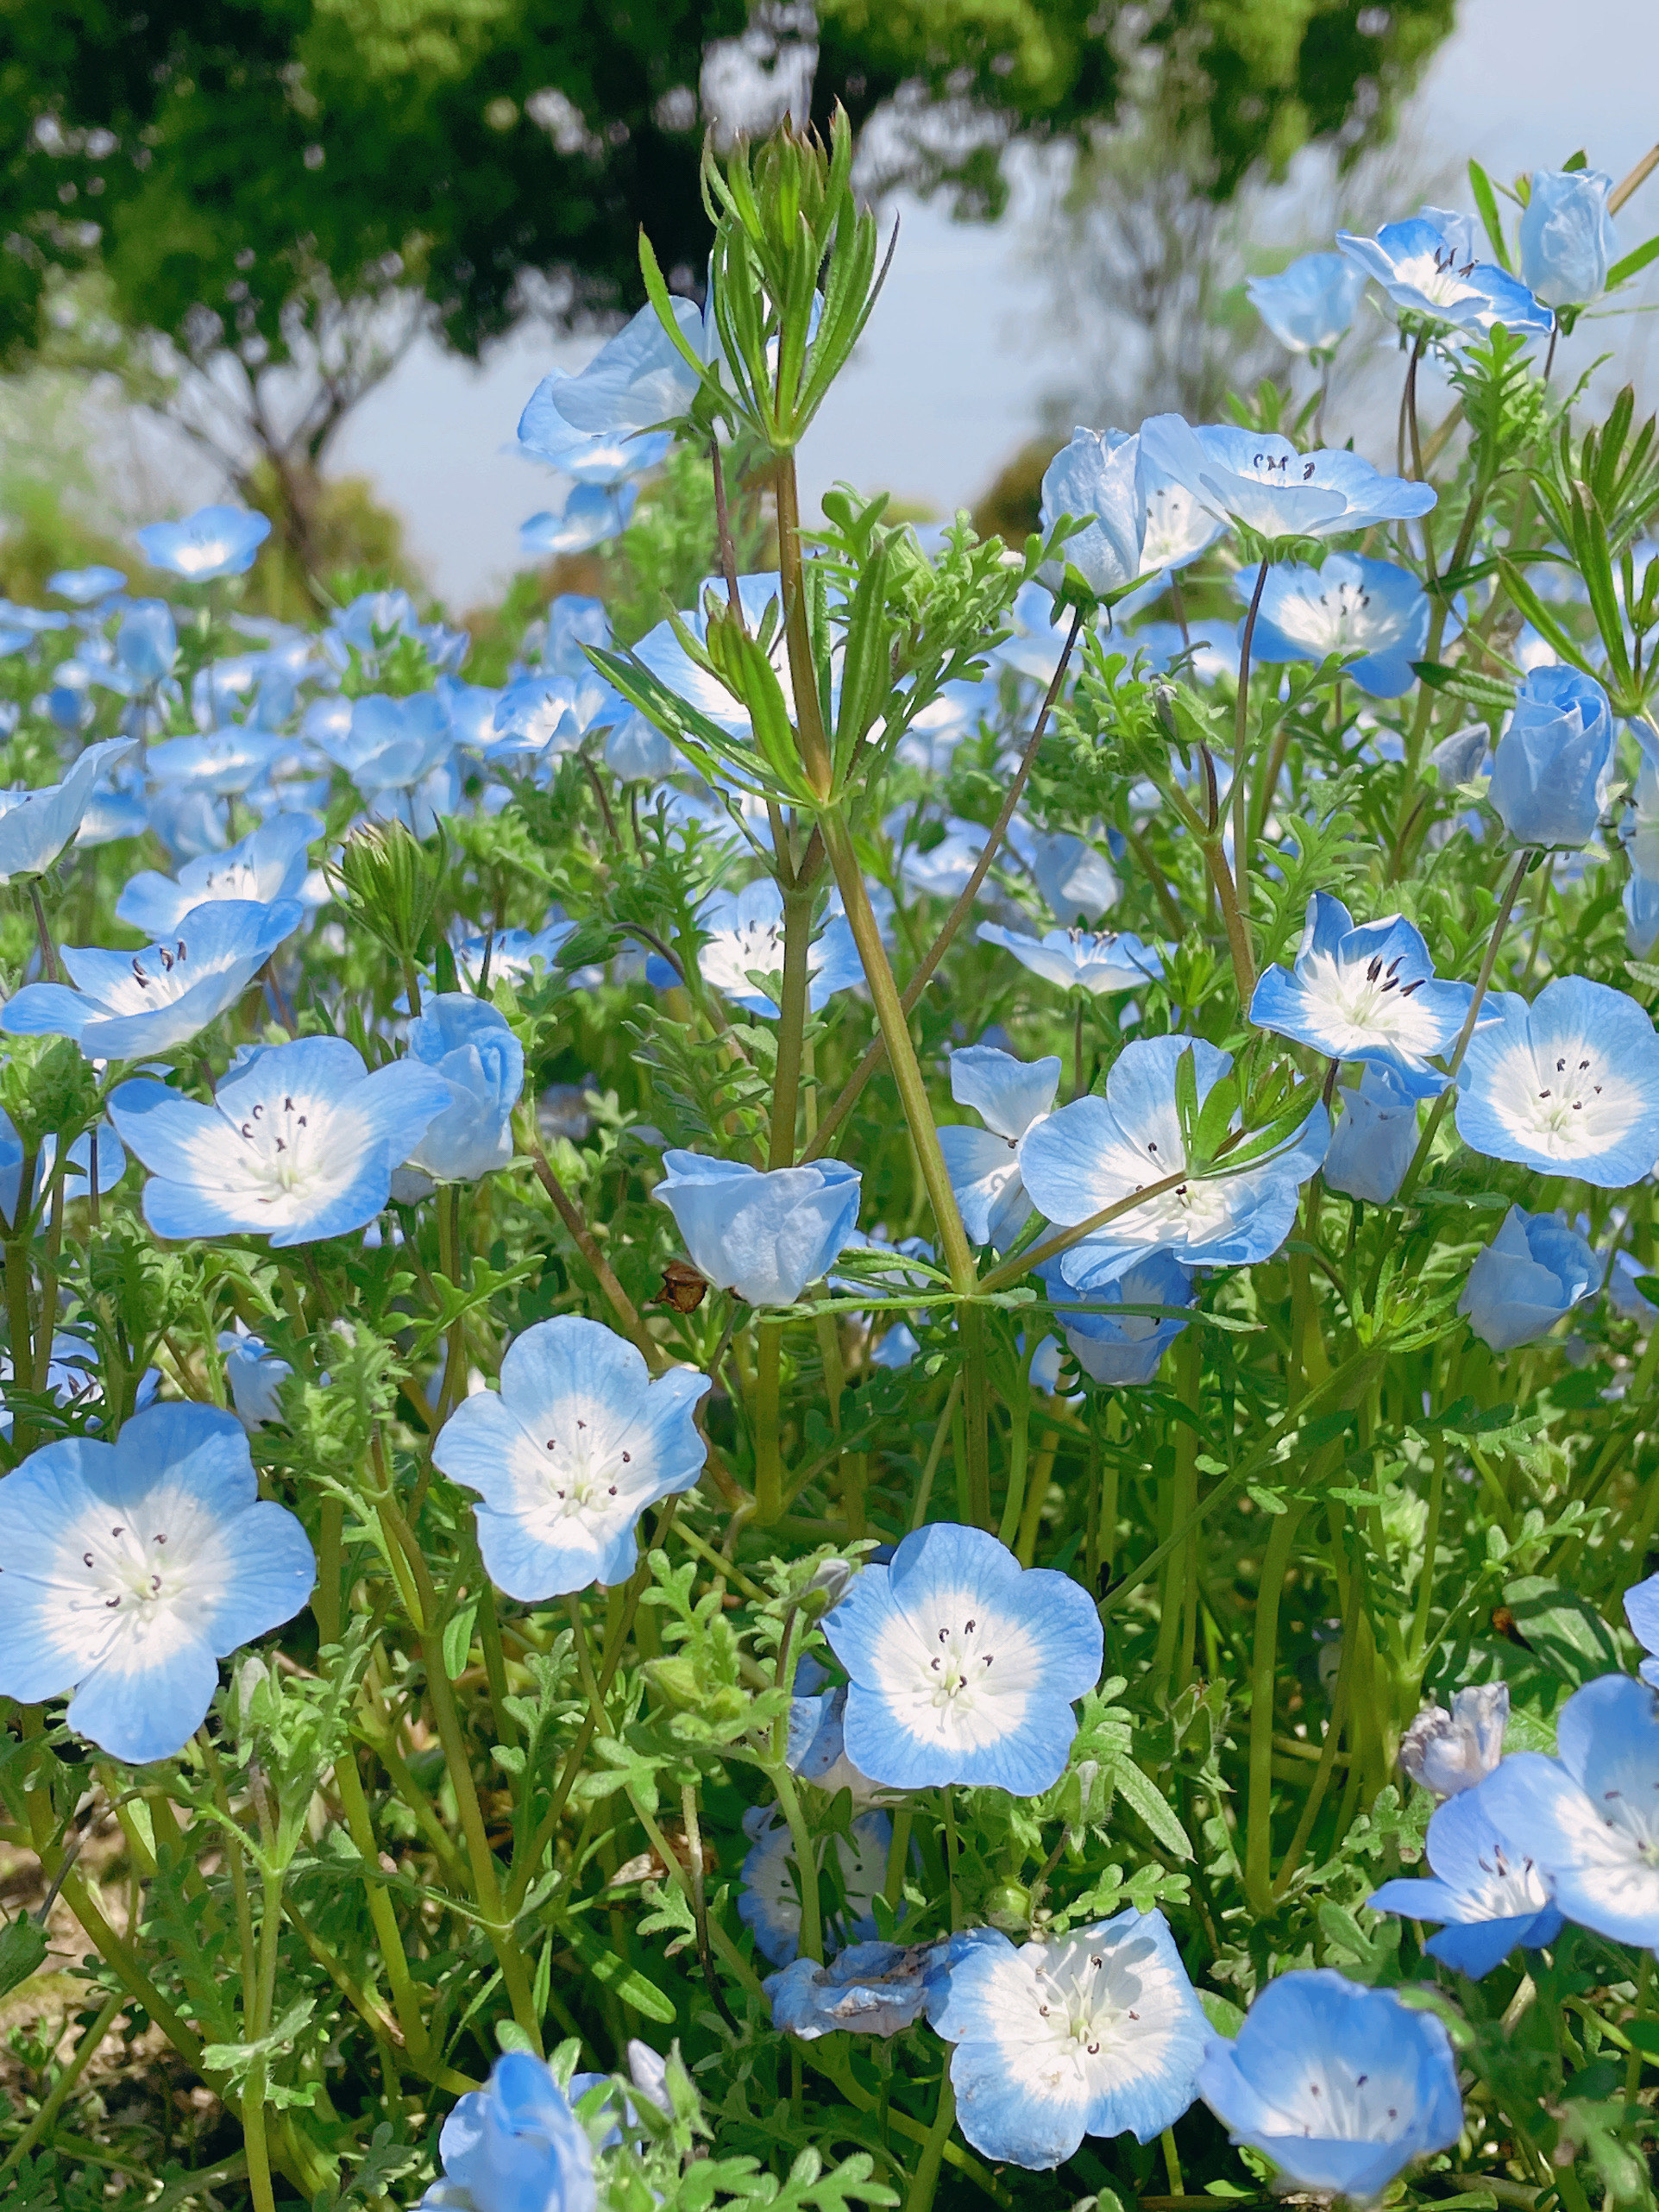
{"x":573,"y":622}
{"x":268,"y":866}
{"x":568,"y":1453}
{"x":540,"y":717}
{"x":469,"y":1043}
{"x":1641,"y":1611}
{"x":896,"y":1348}
{"x":1077,"y":959}
{"x":131,"y":1569}
{"x":387,"y":744}
{"x":1259,"y":479}
{"x":669,"y":661}
{"x":743,"y":936}
{"x":591,"y":514}
{"x":1365,"y":991}
{"x":817,"y":1747}
{"x":943,"y":870}
{"x":1309,"y":306}
{"x":639,"y":378}
{"x":78,"y":1168}
{"x":764,"y":1234}
{"x":603,"y":457}
{"x":869,"y":1989}
{"x":81,"y":586}
{"x":1094,"y":477}
{"x":513,"y":952}
{"x":223,"y":764}
{"x":189,"y":821}
{"x":1372,"y":1145}
{"x":215,"y":541}
{"x":1568,"y":242}
{"x":255,"y":1375}
{"x":127,"y":1006}
{"x":1341,"y":2087}
{"x":1098,"y":2032}
{"x":299,"y":1143}
{"x":647,"y":2069}
{"x":769,"y":1900}
{"x":35,"y":826}
{"x":1179,"y":526}
{"x":1074,"y":877}
{"x":1569,"y":1085}
{"x":375,"y":621}
{"x":1550,"y":775}
{"x":1640,"y":835}
{"x":514,"y":2145}
{"x":636,"y":752}
{"x":469,"y":709}
{"x":1350,"y":605}
{"x":1124,"y":1349}
{"x":1427,"y":273}
{"x":1447,"y":1752}
{"x":147,"y":643}
{"x":1489,"y":1899}
{"x":1589,"y":1818}
{"x":1096,"y":1151}
{"x":1533,"y":1271}
{"x":72,"y":1379}
{"x":963,"y":1666}
{"x":1011,"y":1095}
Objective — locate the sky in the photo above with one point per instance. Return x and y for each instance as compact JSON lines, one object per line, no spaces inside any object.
{"x":953,"y":371}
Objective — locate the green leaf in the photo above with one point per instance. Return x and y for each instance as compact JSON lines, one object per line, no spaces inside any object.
{"x":1542,"y":620}
{"x":1566,"y":1634}
{"x":1633,"y":264}
{"x":1152,"y":1807}
{"x":1187,"y":1100}
{"x":1223,"y":2015}
{"x":1482,"y":691}
{"x":1486,"y":200}
{"x":613,"y":1974}
{"x":458,"y":1640}
{"x":22,"y":1946}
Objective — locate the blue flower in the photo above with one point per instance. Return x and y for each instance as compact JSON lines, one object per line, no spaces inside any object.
{"x":1341,"y":2087}
{"x":131,"y":1569}
{"x":1094,"y":2033}
{"x":818,"y":1751}
{"x":147,"y":643}
{"x":299,"y":1143}
{"x":224,"y":764}
{"x":1077,"y":959}
{"x":1569,"y":1085}
{"x":1534,"y":1271}
{"x":639,"y":378}
{"x":1124,"y":1348}
{"x":1568,"y":242}
{"x":1447,"y":1752}
{"x":1641,"y":1611}
{"x":769,"y":1900}
{"x":591,"y":514}
{"x":1364,"y":992}
{"x":568,"y":1453}
{"x":36,"y":826}
{"x":573,"y":621}
{"x":216,"y":541}
{"x":764,"y":1234}
{"x":743,"y":936}
{"x":469,"y":1043}
{"x":112,"y":1164}
{"x":869,"y":1989}
{"x":514,"y":2145}
{"x":387,"y":744}
{"x":1094,"y":476}
{"x":603,"y":457}
{"x":81,"y":586}
{"x":1179,"y":526}
{"x":266,"y":868}
{"x":1427,"y":273}
{"x":963,"y":1665}
{"x":1549,"y":773}
{"x":541,"y":718}
{"x":1309,"y":306}
{"x":1350,"y":605}
{"x":1490,"y":1900}
{"x":1009,"y":1095}
{"x":256,"y":1376}
{"x":1096,"y":1151}
{"x":127,"y":1006}
{"x":1074,"y":877}
{"x":1259,"y":479}
{"x":1590,"y":1817}
{"x":1372,"y":1145}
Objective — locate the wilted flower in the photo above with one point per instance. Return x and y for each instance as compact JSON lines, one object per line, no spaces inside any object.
{"x":1533,"y":1271}
{"x":1447,"y":1752}
{"x":869,"y":1988}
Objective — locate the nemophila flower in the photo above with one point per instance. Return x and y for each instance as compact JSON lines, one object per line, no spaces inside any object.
{"x":1568,"y":242}
{"x":127,"y":1570}
{"x":1641,"y":1611}
{"x":743,"y":937}
{"x":541,"y":718}
{"x":147,"y":643}
{"x":1074,"y":877}
{"x":768,"y":1898}
{"x":1447,"y":1752}
{"x":215,"y":541}
{"x":639,"y":378}
{"x":591,"y":514}
{"x":1206,"y":650}
{"x":1350,"y":605}
{"x":1365,"y":991}
{"x":573,"y":621}
{"x":1371,"y":1147}
{"x":1339,"y":2086}
{"x":513,"y":952}
{"x":869,"y":1988}
{"x":568,"y":1453}
{"x":1077,"y":960}
{"x":1569,"y":1085}
{"x":818,"y":1751}
{"x":514,"y":2145}
{"x":1098,"y":1152}
{"x":300,"y":1142}
{"x":1490,"y":1898}
{"x":1259,"y":479}
{"x":1095,"y":2033}
{"x":942,"y":870}
{"x":1551,"y":772}
{"x":1427,"y":273}
{"x":1590,"y":1817}
{"x":266,"y":868}
{"x":225,"y":763}
{"x":1094,"y":476}
{"x":1123,"y":1348}
{"x":1533,"y":1271}
{"x":1309,"y":306}
{"x":603,"y":457}
{"x":647,"y":2070}
{"x":35,"y":826}
{"x":78,"y":1168}
{"x":764,"y":1234}
{"x":963,"y":1665}
{"x":82,"y":587}
{"x":469,"y":1044}
{"x":1009,"y":1095}
{"x":256,"y":1376}
{"x":128,"y":1005}
{"x":387,"y":744}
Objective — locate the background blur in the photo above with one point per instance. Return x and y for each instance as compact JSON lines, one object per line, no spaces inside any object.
{"x":319,"y":256}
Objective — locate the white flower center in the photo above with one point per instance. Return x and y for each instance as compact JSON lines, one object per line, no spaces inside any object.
{"x":1565,"y":1100}
{"x":1370,"y":1004}
{"x":958,"y":1666}
{"x":278,"y":1141}
{"x":1508,"y":1890}
{"x":127,"y":1571}
{"x":580,"y":1466}
{"x":1089,"y":2003}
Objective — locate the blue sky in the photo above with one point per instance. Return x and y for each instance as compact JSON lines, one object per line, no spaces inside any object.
{"x":952,"y":374}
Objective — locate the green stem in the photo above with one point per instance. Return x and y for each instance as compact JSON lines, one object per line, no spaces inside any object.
{"x":1258,"y":1848}
{"x":85,"y":2049}
{"x":925,"y":2181}
{"x":768,"y":1444}
{"x":792,"y":1024}
{"x":810,"y":733}
{"x":1241,"y":741}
